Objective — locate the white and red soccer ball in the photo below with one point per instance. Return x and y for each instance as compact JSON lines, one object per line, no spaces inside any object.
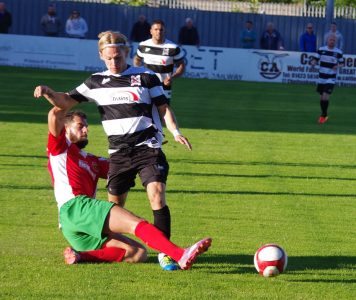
{"x":270,"y":260}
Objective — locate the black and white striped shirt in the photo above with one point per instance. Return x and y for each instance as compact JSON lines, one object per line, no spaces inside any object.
{"x":160,"y":58}
{"x":125,"y":104}
{"x":328,"y":59}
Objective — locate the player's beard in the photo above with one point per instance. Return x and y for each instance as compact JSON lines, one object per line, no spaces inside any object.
{"x":82,"y":144}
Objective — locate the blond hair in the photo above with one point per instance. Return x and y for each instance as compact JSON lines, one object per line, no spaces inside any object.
{"x":113,"y":39}
{"x":331,"y":35}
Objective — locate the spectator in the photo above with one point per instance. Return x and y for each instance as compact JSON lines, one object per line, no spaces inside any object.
{"x":140,"y":30}
{"x":188,"y":34}
{"x":271,"y":39}
{"x":307,"y":41}
{"x":248,"y":36}
{"x":76,"y":26}
{"x":50,"y":23}
{"x":339,"y":37}
{"x":5,"y":19}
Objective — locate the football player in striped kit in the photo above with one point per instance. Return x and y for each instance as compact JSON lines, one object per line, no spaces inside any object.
{"x":125,"y":96}
{"x":162,"y":56}
{"x":330,"y":59}
{"x":93,"y":227}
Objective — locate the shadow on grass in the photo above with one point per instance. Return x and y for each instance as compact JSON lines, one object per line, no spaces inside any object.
{"x":196,"y":192}
{"x":261,"y":163}
{"x":14,"y":113}
{"x":258,"y":176}
{"x":21,"y":165}
{"x":230,"y":163}
{"x":243,"y":264}
{"x":216,"y":162}
{"x":205,"y":192}
{"x":227,"y":105}
{"x":260,"y":193}
{"x":23,"y":155}
{"x":23,"y":187}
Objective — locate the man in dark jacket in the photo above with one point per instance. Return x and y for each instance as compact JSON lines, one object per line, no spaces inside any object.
{"x":140,"y":30}
{"x":188,"y":34}
{"x":50,"y":23}
{"x":5,"y":19}
{"x":271,"y":39}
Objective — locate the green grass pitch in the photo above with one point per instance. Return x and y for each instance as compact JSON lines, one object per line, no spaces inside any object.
{"x":262,"y":170}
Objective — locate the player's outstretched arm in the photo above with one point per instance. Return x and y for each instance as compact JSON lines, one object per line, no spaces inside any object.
{"x":56,"y":118}
{"x":167,"y":114}
{"x":59,"y":99}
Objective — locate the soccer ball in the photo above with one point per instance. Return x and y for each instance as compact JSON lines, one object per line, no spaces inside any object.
{"x":270,"y":260}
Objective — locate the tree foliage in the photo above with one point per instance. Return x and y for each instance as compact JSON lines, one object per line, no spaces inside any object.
{"x":254,"y":3}
{"x":130,"y":2}
{"x":339,"y":3}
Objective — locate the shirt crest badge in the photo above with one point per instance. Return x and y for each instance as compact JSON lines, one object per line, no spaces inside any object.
{"x":135,"y":80}
{"x":165,"y":51}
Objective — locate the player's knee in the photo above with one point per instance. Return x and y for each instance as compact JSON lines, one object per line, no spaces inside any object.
{"x":136,"y":255}
{"x":157,"y":203}
{"x":141,"y":255}
{"x":156,"y":194}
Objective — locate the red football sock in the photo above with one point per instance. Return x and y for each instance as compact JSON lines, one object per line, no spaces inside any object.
{"x":107,"y":254}
{"x":155,"y":239}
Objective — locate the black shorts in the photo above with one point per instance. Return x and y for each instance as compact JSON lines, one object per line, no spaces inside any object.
{"x":149,"y":163}
{"x":325,"y":88}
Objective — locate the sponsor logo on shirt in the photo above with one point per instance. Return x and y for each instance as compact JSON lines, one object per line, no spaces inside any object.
{"x":125,"y":97}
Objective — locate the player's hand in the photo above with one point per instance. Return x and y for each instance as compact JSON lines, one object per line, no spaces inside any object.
{"x":167,"y":81}
{"x":183,"y":140}
{"x":42,"y":90}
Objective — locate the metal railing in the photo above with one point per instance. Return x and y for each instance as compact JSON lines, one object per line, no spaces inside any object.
{"x":261,"y":8}
{"x":246,"y":7}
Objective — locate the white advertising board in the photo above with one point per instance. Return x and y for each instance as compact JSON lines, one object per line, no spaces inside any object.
{"x":202,"y":62}
{"x":260,"y":65}
{"x":49,"y":53}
